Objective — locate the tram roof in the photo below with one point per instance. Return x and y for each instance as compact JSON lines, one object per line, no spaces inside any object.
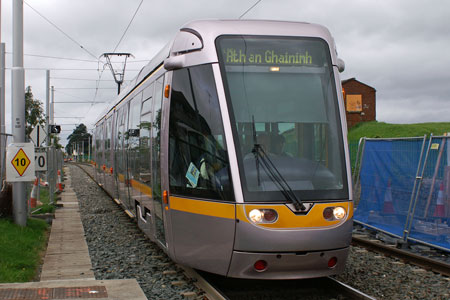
{"x":209,"y":30}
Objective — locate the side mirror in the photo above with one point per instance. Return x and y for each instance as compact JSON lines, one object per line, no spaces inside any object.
{"x":340,"y":65}
{"x":174,"y":63}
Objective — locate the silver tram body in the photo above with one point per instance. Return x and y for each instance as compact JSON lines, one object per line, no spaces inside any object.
{"x":191,"y":149}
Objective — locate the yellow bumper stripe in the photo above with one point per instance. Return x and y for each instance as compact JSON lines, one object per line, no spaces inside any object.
{"x":202,"y":207}
{"x":288,"y":220}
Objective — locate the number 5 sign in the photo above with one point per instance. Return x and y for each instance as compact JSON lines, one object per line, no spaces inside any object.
{"x":20,"y":162}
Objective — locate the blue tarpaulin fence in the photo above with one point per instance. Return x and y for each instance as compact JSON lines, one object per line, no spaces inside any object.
{"x":404,"y":188}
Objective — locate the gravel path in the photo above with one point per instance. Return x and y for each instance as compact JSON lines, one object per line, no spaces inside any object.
{"x":119,"y":250}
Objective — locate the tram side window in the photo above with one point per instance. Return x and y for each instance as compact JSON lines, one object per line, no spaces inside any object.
{"x":133,"y":136}
{"x":108,"y":142}
{"x":198,"y":158}
{"x":97,"y":146}
{"x":100,"y":146}
{"x":144,"y":137}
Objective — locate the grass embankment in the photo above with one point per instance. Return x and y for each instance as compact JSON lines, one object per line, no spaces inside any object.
{"x":384,"y":130}
{"x":20,"y":249}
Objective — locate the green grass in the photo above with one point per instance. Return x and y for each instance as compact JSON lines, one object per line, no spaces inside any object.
{"x":384,"y":130}
{"x":20,"y":249}
{"x":46,"y":207}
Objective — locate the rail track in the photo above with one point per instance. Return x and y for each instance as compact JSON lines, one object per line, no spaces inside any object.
{"x":324,"y":288}
{"x":406,"y":256}
{"x":217,"y":287}
{"x":221,"y":288}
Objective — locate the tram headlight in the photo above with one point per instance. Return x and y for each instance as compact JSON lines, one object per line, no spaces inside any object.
{"x":339,"y":213}
{"x":334,"y":213}
{"x":263,"y":215}
{"x":256,"y":215}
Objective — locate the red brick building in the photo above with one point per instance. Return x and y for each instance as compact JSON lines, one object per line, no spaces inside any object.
{"x":360,"y":102}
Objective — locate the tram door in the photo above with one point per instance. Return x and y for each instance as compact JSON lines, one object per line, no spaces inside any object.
{"x":120,"y":158}
{"x":158,"y":204}
{"x":133,"y":156}
{"x":202,"y":210}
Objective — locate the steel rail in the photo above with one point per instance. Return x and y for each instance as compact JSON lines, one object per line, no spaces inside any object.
{"x":211,"y":292}
{"x":406,"y":256}
{"x":349,"y":291}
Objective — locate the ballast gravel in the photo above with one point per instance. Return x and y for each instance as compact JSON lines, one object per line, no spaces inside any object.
{"x":119,"y":250}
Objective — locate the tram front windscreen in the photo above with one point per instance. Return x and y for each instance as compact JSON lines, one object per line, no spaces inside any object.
{"x":283,"y":106}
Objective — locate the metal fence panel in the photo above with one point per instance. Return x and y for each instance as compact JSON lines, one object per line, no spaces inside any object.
{"x":388,"y":181}
{"x":431,"y":219}
{"x":4,"y":141}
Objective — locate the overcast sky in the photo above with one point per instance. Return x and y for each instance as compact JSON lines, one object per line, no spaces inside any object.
{"x":401,"y":48}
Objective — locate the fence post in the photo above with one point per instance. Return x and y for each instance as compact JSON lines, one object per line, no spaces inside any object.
{"x":410,"y":216}
{"x":414,"y":187}
{"x":433,"y":181}
{"x":356,"y":174}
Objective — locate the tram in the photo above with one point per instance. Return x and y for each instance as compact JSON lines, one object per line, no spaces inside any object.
{"x":230,"y":150}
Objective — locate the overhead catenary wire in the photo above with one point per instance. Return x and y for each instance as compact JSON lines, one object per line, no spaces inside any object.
{"x":56,"y":57}
{"x":73,"y":96}
{"x":249,"y":9}
{"x":128,"y":26}
{"x":81,"y":79}
{"x":60,"y":30}
{"x":83,"y":88}
{"x":65,"y":69}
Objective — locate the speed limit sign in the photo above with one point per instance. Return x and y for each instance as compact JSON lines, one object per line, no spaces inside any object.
{"x":40,"y":159}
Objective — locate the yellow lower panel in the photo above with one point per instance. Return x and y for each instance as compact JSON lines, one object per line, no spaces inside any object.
{"x":202,"y":207}
{"x":287,"y":219}
{"x":143,"y":188}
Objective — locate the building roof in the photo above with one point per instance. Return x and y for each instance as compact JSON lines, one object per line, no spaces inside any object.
{"x":354,"y":79}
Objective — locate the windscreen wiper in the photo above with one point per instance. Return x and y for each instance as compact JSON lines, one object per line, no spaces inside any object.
{"x":256,"y":146}
{"x":276,"y":177}
{"x":273,"y":172}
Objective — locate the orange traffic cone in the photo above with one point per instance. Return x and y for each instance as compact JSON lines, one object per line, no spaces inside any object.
{"x":440,"y":208}
{"x":388,"y":207}
{"x":60,"y":188}
{"x":33,"y":197}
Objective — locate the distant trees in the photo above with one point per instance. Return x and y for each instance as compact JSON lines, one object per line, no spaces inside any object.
{"x":79,"y":136}
{"x":34,"y":113}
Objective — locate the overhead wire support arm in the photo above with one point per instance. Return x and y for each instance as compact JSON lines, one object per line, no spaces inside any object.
{"x":117,"y":74}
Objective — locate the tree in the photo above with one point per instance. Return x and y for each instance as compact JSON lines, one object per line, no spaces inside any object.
{"x":33,"y":112}
{"x":80,"y":136}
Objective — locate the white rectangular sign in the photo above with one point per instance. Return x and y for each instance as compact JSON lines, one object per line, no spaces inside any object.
{"x":19,"y":162}
{"x":40,"y":159}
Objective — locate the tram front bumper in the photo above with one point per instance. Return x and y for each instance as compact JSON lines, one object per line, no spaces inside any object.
{"x":287,"y":265}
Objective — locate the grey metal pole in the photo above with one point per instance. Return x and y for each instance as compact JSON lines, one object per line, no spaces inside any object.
{"x":2,"y":112}
{"x":48,"y":120}
{"x":82,"y":150}
{"x":18,"y":108}
{"x":52,"y":110}
{"x":89,"y":149}
{"x":47,"y":105}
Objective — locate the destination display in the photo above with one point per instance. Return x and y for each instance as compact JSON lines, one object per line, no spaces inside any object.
{"x":237,"y":56}
{"x":266,"y":51}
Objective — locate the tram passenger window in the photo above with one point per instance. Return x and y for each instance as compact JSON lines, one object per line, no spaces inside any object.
{"x":133,"y":136}
{"x":144,"y":140}
{"x":198,"y":158}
